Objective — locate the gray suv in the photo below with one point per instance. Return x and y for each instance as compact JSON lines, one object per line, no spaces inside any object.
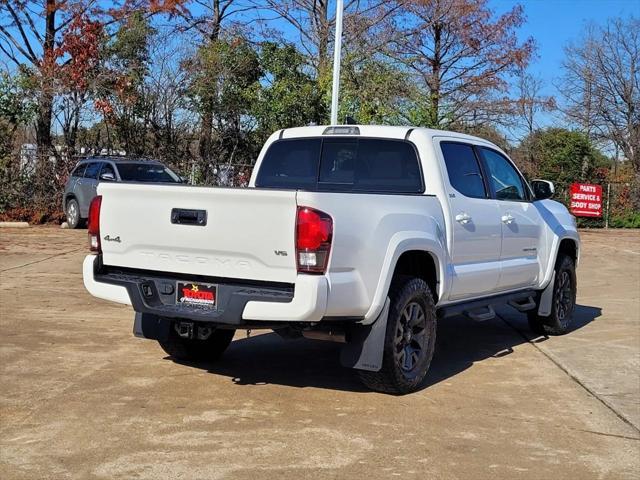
{"x":83,"y":181}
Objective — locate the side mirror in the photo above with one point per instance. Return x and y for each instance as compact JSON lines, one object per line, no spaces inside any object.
{"x":542,"y":189}
{"x":184,"y":180}
{"x":107,"y":177}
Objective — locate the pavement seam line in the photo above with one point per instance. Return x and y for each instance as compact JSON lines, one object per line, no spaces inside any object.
{"x":624,"y":437}
{"x":569,"y":374}
{"x":42,"y":259}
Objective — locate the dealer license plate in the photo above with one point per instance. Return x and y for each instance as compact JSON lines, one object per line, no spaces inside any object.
{"x":197,"y":294}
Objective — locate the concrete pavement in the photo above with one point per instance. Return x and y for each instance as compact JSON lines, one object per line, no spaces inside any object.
{"x":80,"y":397}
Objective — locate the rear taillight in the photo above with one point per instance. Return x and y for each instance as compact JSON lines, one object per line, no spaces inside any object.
{"x":94,"y":224}
{"x":314,"y":231}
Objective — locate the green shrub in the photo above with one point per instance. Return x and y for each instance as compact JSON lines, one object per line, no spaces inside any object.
{"x":625,"y":220}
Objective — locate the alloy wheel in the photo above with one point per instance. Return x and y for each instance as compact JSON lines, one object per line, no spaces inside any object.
{"x":410,"y":339}
{"x":72,"y":213}
{"x":564,"y":296}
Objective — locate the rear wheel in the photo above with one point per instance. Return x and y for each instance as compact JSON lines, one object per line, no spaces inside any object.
{"x":563,"y":301}
{"x":73,"y":213}
{"x":409,"y":341}
{"x":195,"y":349}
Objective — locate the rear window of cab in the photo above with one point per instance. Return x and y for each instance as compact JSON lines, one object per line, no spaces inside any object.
{"x":342,"y":164}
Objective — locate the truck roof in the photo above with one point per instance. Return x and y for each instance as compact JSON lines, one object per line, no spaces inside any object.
{"x":384,"y":131}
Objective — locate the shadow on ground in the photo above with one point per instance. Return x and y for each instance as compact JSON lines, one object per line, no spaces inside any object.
{"x":269,"y":359}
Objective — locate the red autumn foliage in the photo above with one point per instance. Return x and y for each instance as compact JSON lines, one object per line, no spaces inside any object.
{"x":81,"y":42}
{"x":104,"y":107}
{"x":170,"y":7}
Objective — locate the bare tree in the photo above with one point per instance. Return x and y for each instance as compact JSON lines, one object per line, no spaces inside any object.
{"x":601,"y":85}
{"x":530,"y":102}
{"x":313,"y":22}
{"x":28,"y":32}
{"x":462,"y":54}
{"x":170,"y":120}
{"x":528,"y":105}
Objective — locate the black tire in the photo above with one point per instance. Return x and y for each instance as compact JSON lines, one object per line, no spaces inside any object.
{"x":72,"y":212}
{"x":185,"y":349}
{"x":563,"y":302}
{"x":407,"y":353}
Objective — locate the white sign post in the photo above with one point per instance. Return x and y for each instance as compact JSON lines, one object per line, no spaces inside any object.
{"x":337,"y":51}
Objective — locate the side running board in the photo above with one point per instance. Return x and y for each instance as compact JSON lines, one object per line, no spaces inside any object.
{"x":482,"y":309}
{"x":524,"y":305}
{"x":481,"y":314}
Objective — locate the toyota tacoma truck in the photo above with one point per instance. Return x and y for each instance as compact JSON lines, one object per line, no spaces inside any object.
{"x":364,"y":235}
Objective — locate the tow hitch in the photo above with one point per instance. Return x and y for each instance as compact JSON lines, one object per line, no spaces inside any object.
{"x":191,"y":330}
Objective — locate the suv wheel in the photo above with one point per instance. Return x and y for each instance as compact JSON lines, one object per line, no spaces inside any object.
{"x":410,"y":339}
{"x":73,"y":213}
{"x":193,"y":349}
{"x":563,"y":302}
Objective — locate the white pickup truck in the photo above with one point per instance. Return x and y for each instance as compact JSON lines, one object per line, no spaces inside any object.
{"x":364,"y":235}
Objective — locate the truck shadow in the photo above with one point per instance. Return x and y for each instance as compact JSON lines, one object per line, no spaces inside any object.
{"x":268,"y":359}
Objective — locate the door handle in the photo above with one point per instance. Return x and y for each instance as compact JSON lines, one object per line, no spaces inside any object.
{"x":463,"y":218}
{"x":183,"y":216}
{"x":507,"y":219}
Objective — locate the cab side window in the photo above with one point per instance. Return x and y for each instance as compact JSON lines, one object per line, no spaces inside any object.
{"x":503,"y":177}
{"x":463,"y":169}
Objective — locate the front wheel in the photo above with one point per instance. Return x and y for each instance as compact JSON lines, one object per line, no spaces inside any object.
{"x":563,"y":301}
{"x":195,"y":349}
{"x":73,"y":213}
{"x":410,"y":339}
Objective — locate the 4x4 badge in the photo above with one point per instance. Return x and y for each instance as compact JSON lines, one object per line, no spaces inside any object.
{"x":107,"y":238}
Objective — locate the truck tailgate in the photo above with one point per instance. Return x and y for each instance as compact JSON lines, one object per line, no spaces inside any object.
{"x":249,"y":233}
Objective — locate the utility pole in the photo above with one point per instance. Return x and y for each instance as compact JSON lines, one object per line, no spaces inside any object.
{"x":337,"y":53}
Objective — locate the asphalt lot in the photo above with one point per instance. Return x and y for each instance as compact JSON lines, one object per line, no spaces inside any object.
{"x":80,"y":397}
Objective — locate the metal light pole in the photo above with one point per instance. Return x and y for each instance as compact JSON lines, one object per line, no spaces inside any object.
{"x":337,"y":51}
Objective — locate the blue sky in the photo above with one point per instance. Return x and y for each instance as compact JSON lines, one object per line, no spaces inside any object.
{"x":554,"y":23}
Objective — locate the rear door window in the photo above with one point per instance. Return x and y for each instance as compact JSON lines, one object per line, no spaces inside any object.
{"x":79,"y":170}
{"x":92,"y":170}
{"x":463,"y":169}
{"x":364,"y":165}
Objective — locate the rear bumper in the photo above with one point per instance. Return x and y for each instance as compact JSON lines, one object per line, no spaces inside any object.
{"x":239,"y":302}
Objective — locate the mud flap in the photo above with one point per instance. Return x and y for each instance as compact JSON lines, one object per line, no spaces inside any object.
{"x":546,"y":298}
{"x":365,"y":344}
{"x":150,"y":326}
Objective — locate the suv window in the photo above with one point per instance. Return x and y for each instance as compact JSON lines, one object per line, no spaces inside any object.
{"x":107,"y":168}
{"x":463,"y":169}
{"x":146,"y":172}
{"x":92,"y":170}
{"x":505,"y":180}
{"x":346,"y":164}
{"x":79,"y":170}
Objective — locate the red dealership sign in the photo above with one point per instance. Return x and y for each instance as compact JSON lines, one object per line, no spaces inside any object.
{"x":586,"y":200}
